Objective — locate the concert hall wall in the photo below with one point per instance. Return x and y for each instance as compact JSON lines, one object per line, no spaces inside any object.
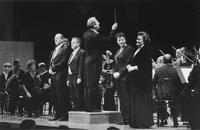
{"x":10,"y":50}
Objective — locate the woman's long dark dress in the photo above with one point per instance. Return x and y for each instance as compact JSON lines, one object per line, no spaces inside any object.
{"x":140,"y":87}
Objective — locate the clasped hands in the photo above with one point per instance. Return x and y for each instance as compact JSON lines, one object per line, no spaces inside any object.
{"x":78,"y":81}
{"x":114,"y":26}
{"x":131,"y":68}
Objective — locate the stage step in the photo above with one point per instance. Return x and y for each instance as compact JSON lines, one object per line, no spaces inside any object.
{"x":103,"y":117}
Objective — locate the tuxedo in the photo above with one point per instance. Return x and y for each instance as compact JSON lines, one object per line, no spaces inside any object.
{"x":122,"y":58}
{"x":94,"y":45}
{"x":75,"y":71}
{"x":58,"y":64}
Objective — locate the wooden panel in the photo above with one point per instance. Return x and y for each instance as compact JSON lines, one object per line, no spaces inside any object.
{"x":10,"y":50}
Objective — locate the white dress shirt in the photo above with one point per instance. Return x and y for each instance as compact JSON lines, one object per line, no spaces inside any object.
{"x":71,"y":58}
{"x":137,"y":51}
{"x":55,"y":53}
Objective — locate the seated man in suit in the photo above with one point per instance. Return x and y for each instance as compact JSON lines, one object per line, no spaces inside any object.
{"x":3,"y":80}
{"x":168,"y":72}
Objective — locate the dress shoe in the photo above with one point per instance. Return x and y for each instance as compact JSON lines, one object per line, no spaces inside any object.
{"x":121,"y":123}
{"x":126,"y":123}
{"x":55,"y":119}
{"x":63,"y":119}
{"x":175,"y":124}
{"x":165,"y":122}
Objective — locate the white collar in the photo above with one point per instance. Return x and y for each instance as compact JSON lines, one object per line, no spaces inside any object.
{"x":95,"y":31}
{"x":140,"y":46}
{"x":76,"y":49}
{"x":59,"y":46}
{"x":5,"y":74}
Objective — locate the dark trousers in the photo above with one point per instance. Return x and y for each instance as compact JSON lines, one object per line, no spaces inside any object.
{"x":124,"y":99}
{"x":109,"y":101}
{"x":60,"y":94}
{"x":14,"y":102}
{"x":76,"y":93}
{"x":173,"y":110}
{"x":46,"y":96}
{"x":93,"y":97}
{"x":3,"y":103}
{"x":162,"y":110}
{"x":34,"y":104}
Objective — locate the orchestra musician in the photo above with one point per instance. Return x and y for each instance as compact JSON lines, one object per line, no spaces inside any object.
{"x":159,"y":61}
{"x":45,"y":85}
{"x":3,"y":92}
{"x":107,"y":82}
{"x":168,"y":86}
{"x":32,"y":85}
{"x":16,"y":88}
{"x":184,"y":57}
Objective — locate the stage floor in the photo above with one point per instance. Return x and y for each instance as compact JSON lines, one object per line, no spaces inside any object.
{"x":43,"y":121}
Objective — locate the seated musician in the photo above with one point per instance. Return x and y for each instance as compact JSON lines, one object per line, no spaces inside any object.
{"x":184,"y":57}
{"x":107,"y":82}
{"x":159,"y":62}
{"x":167,"y":74}
{"x":3,"y":80}
{"x":45,"y":87}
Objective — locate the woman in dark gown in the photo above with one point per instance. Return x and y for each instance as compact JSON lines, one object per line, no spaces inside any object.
{"x":140,"y":83}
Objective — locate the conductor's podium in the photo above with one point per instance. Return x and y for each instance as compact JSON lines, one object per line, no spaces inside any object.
{"x":104,"y":117}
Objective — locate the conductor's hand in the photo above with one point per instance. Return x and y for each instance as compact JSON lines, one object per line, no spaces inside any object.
{"x":116,"y":75}
{"x":78,"y":81}
{"x":114,"y":26}
{"x":28,"y":95}
{"x":68,"y":83}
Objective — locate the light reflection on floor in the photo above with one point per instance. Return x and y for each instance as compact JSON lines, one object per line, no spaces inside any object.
{"x":43,"y":121}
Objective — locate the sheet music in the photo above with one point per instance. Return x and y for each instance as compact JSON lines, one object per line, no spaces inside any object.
{"x":183,"y":73}
{"x":186,"y":72}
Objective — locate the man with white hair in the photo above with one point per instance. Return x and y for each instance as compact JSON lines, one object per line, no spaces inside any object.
{"x":58,"y":71}
{"x":94,"y":45}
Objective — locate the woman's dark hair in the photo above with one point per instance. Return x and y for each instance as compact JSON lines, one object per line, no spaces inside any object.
{"x":16,"y":62}
{"x":29,"y":63}
{"x":120,"y":34}
{"x":145,"y":36}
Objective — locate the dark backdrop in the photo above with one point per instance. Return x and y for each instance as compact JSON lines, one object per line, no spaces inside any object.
{"x":169,"y":22}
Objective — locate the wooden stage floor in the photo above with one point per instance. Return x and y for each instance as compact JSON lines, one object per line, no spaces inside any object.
{"x":43,"y":121}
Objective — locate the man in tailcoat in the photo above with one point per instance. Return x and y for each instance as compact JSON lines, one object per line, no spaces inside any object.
{"x":122,"y":58}
{"x":75,"y":74}
{"x":94,"y":45}
{"x":58,"y":71}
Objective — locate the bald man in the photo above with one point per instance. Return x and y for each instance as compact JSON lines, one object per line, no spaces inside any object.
{"x":58,"y":71}
{"x":167,"y":74}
